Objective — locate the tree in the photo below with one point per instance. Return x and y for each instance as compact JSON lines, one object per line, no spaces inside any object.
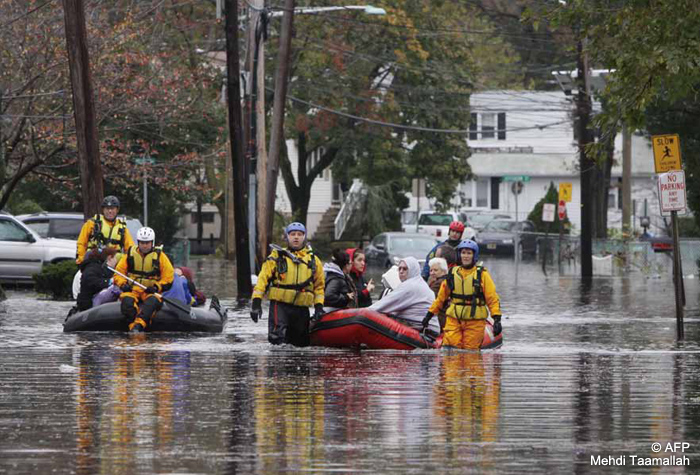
{"x":153,"y":90}
{"x":354,"y":77}
{"x":551,"y":197}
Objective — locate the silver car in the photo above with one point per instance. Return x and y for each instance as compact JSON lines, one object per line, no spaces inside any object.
{"x":24,"y":253}
{"x":65,"y":225}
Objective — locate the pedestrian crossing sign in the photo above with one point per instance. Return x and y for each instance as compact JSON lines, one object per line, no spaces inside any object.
{"x":565,"y":192}
{"x":667,"y":153}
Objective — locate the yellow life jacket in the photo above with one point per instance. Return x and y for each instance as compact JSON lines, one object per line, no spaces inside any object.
{"x":106,"y":234}
{"x":466,"y":295}
{"x":144,"y":269}
{"x":292,"y":280}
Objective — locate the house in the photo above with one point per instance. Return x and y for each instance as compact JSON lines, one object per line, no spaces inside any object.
{"x":531,"y":134}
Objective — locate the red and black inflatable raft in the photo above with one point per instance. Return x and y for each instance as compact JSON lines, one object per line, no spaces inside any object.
{"x":364,"y":328}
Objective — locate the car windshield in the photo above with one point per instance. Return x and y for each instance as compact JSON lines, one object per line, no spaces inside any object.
{"x":497,"y":225}
{"x":411,"y":245}
{"x":435,"y":219}
{"x":66,"y":228}
{"x":480,"y":219}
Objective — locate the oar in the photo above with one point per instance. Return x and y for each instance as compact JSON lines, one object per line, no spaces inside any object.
{"x":165,"y":299}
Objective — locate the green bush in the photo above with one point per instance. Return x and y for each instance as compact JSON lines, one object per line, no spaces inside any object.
{"x":56,"y":280}
{"x":535,"y":215}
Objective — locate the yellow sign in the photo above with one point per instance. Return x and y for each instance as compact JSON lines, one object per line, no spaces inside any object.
{"x":667,"y":153}
{"x":565,"y":192}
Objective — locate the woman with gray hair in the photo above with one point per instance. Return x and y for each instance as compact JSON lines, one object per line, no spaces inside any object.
{"x":438,"y":273}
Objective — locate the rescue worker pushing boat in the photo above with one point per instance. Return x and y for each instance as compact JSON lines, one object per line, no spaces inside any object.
{"x":104,"y":230}
{"x":472,"y":295}
{"x":294,"y":281}
{"x":149,"y":266}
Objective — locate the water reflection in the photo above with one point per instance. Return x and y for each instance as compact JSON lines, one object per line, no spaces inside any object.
{"x":129,"y":400}
{"x":584,"y":371}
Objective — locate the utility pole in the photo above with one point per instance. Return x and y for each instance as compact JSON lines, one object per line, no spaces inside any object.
{"x":626,"y":181}
{"x":83,"y":107}
{"x":257,"y":36}
{"x":233,"y":91}
{"x":586,"y":165}
{"x":277,"y":133}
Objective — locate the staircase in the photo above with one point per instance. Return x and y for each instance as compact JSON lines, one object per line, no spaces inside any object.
{"x":326,"y":228}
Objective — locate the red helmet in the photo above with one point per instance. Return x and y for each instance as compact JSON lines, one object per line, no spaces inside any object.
{"x":457,"y":226}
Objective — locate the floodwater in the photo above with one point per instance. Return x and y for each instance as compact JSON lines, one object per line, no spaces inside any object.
{"x":584,"y":372}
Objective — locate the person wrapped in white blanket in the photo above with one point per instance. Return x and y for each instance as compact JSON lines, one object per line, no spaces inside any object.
{"x":410,"y":300}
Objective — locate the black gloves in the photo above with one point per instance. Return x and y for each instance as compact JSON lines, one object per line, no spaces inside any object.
{"x":125,"y":288}
{"x":151,"y":289}
{"x":256,"y":310}
{"x":318,"y":311}
{"x":497,"y":329}
{"x":426,"y":320}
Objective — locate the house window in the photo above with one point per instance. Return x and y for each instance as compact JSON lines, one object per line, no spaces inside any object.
{"x":206,"y":218}
{"x":314,"y":158}
{"x":487,"y":125}
{"x":495,"y":187}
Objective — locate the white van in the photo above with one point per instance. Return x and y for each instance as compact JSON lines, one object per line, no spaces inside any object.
{"x":437,"y":224}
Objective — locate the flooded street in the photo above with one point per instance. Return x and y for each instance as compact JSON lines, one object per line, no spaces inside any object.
{"x":583,"y":372}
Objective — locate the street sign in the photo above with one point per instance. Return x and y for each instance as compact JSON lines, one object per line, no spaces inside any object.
{"x":565,"y":192}
{"x":667,"y":153}
{"x":672,"y":191}
{"x":548,"y":212}
{"x":523,"y":178}
{"x":562,"y":210}
{"x":142,"y":161}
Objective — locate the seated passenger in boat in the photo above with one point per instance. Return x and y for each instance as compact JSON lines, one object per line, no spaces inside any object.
{"x":438,"y":273}
{"x":180,"y":289}
{"x":199,"y":297}
{"x":412,"y":297}
{"x":340,"y":289}
{"x":95,"y":275}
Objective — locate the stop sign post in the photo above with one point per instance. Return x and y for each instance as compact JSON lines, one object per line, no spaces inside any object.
{"x":561,"y":210}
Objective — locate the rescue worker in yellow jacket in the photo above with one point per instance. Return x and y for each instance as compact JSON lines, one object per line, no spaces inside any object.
{"x":149,"y":266}
{"x":104,"y":230}
{"x":294,"y":281}
{"x":471,"y":294}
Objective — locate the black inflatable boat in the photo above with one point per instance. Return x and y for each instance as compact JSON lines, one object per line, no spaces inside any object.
{"x":108,"y":317}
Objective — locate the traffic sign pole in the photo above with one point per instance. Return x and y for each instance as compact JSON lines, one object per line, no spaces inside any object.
{"x":679,"y":290}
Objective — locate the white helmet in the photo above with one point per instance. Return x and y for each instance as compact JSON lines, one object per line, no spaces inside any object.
{"x":145,"y":234}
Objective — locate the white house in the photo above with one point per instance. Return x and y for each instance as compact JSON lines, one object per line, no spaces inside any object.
{"x":530,"y":133}
{"x":522,"y":133}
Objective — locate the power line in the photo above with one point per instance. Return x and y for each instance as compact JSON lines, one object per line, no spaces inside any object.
{"x":411,"y":127}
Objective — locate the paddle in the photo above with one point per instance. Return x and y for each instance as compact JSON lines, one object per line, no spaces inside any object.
{"x":165,"y":299}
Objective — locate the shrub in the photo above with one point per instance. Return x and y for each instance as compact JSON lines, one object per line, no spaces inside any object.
{"x":56,"y":280}
{"x":552,"y":196}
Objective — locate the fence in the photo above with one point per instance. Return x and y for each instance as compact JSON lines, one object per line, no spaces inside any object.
{"x":615,"y":256}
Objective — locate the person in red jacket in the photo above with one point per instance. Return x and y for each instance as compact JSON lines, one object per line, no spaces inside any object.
{"x":357,"y":271}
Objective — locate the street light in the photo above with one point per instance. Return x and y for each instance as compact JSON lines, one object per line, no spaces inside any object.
{"x":368,"y":9}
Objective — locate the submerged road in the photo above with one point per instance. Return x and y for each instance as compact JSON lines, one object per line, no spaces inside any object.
{"x":586,"y":376}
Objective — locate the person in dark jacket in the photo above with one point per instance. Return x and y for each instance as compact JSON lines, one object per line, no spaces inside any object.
{"x":199,"y":297}
{"x":340,"y":289}
{"x":357,"y":271}
{"x":95,"y":275}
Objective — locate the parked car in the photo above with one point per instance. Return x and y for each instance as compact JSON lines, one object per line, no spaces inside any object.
{"x":387,"y":248}
{"x":24,"y":253}
{"x":65,"y":225}
{"x":659,"y":243}
{"x":478,"y":219}
{"x":499,"y":236}
{"x":438,"y":224}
